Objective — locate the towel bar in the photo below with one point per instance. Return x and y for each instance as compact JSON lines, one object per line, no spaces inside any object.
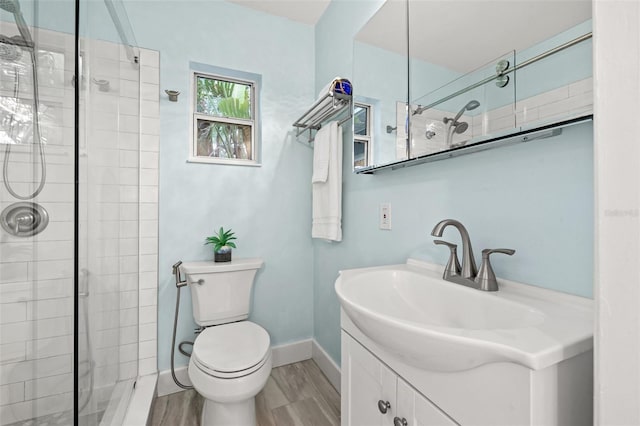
{"x":329,"y":106}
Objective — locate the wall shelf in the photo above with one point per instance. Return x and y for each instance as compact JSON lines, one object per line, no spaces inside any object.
{"x":331,"y":105}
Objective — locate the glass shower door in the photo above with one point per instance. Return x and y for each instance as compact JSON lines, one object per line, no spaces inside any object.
{"x":108,"y":193}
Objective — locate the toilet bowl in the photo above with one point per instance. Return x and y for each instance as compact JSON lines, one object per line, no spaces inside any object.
{"x":229,"y":366}
{"x":231,"y":358}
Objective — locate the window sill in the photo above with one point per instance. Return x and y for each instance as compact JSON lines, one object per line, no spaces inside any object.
{"x":224,"y":161}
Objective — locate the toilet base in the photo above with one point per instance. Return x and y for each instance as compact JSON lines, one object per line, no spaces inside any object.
{"x":241,"y":413}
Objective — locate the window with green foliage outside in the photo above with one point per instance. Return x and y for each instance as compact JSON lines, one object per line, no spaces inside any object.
{"x":224,"y":120}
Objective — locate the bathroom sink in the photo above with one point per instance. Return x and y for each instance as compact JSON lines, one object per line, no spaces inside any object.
{"x":437,"y":325}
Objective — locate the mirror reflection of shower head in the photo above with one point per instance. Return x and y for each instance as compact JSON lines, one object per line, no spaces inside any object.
{"x":461,"y":127}
{"x":471,"y":105}
{"x":12,"y":6}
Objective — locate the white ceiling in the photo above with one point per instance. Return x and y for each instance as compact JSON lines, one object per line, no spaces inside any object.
{"x":464,"y":34}
{"x":305,"y":11}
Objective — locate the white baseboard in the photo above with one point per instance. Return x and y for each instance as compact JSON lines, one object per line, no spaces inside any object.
{"x":282,"y":355}
{"x":326,"y":364}
{"x":291,"y":352}
{"x":166,"y":385}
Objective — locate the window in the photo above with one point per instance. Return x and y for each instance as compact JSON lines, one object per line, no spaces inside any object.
{"x":225,"y":117}
{"x":362,"y":135}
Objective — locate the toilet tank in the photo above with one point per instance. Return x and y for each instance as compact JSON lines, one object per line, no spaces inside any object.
{"x":221,"y":291}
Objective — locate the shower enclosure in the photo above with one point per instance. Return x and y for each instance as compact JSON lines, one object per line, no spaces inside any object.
{"x":69,"y":203}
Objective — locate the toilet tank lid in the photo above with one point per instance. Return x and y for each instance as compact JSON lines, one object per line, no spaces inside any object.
{"x":210,"y":266}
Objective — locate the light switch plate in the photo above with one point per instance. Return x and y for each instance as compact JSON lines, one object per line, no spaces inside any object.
{"x":385,"y":216}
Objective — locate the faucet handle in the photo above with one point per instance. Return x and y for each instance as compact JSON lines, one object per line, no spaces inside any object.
{"x":486,"y":278}
{"x":453,"y":266}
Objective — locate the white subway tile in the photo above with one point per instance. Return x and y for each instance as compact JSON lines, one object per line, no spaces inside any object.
{"x":14,"y":272}
{"x":50,"y":308}
{"x":51,"y":269}
{"x":53,"y":346}
{"x":129,"y":282}
{"x":149,"y":194}
{"x":13,"y":312}
{"x":148,"y":228}
{"x":150,"y":92}
{"x":149,"y":280}
{"x":150,"y":109}
{"x":129,"y":352}
{"x":129,"y":159}
{"x":128,"y":370}
{"x":14,"y":413}
{"x":149,"y":177}
{"x":150,"y":126}
{"x":12,"y":352}
{"x":149,"y":160}
{"x":148,"y":314}
{"x":30,"y":251}
{"x":129,"y":141}
{"x":148,"y":349}
{"x":128,"y":317}
{"x":148,"y":211}
{"x":129,"y":124}
{"x":148,"y":331}
{"x":149,"y":75}
{"x":129,"y":71}
{"x":147,"y":246}
{"x":148,"y":297}
{"x":128,"y":335}
{"x":128,"y":106}
{"x":48,"y":386}
{"x":129,"y":89}
{"x":148,"y":366}
{"x":106,"y":338}
{"x":128,"y":229}
{"x":128,"y":194}
{"x":150,"y":143}
{"x":128,"y":176}
{"x":148,"y":262}
{"x":128,"y":299}
{"x":12,"y":393}
{"x":150,"y":58}
{"x":29,"y":370}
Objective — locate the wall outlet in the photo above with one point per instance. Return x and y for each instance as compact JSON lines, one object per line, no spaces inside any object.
{"x":385,"y":216}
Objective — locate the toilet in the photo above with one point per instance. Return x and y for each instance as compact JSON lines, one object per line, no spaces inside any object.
{"x":231,"y":358}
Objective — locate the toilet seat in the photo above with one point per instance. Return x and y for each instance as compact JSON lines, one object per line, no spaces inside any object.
{"x":231,"y":350}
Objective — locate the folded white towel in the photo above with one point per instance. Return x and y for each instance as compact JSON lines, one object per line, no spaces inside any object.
{"x":321,"y":153}
{"x":327,"y":192}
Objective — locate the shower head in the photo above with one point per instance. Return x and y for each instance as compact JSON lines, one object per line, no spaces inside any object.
{"x":471,"y":105}
{"x":461,"y":127}
{"x":12,"y":6}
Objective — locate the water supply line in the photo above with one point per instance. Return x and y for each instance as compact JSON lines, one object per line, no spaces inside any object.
{"x":179,"y":284}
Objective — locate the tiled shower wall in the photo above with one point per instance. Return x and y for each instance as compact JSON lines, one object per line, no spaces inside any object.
{"x":36,"y":273}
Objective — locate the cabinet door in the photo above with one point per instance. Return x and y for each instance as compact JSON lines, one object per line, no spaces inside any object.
{"x":418,"y":410}
{"x":365,"y":382}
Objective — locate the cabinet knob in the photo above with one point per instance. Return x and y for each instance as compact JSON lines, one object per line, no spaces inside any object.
{"x":383,"y":406}
{"x":397,"y":421}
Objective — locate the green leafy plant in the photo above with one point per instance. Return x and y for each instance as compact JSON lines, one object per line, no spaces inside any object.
{"x":221,"y":239}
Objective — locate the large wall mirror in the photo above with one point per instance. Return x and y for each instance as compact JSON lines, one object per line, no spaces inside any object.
{"x":434,"y":79}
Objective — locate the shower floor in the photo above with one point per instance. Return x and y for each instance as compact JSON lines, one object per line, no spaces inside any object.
{"x":296,"y":394}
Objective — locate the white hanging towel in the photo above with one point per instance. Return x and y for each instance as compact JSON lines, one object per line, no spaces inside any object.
{"x":327,"y":183}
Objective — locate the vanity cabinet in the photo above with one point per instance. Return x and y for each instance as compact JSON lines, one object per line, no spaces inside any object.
{"x":372,"y":394}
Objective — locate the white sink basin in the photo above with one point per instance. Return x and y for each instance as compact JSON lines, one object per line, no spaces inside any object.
{"x":442,"y":326}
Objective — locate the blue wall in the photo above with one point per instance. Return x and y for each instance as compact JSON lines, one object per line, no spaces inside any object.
{"x":268,"y":207}
{"x":536,"y":198}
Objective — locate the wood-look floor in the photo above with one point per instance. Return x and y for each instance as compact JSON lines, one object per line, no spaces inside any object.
{"x":295,"y":395}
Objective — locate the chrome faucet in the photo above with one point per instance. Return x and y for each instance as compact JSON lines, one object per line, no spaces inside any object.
{"x":467,"y":274}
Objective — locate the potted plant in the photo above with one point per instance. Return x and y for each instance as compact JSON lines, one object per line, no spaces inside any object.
{"x":223,"y":244}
